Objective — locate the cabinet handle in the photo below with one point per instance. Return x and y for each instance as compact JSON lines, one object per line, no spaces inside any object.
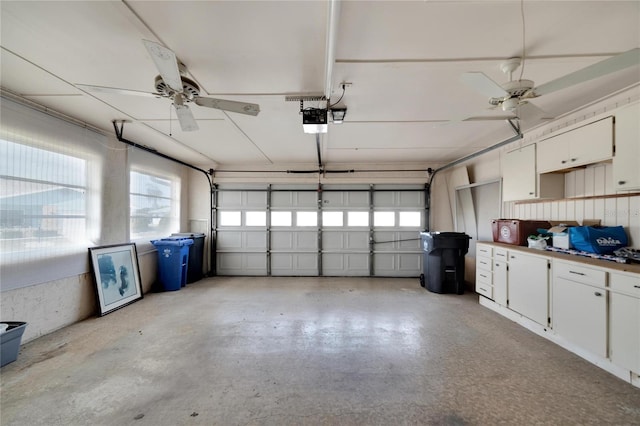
{"x":531,"y":193}
{"x":483,"y":276}
{"x":622,"y":182}
{"x":563,"y":161}
{"x":577,"y":273}
{"x":597,"y":293}
{"x":636,"y":286}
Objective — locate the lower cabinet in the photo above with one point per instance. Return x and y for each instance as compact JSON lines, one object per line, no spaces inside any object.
{"x":579,"y":313}
{"x":528,"y":286}
{"x":594,"y":307}
{"x":624,"y":320}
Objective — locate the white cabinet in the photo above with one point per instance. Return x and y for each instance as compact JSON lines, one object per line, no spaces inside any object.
{"x":500,"y":294}
{"x":624,"y":320}
{"x":528,"y":286}
{"x":520,"y":180}
{"x":484,"y":274}
{"x":583,"y":145}
{"x":626,"y":172}
{"x":579,"y":312}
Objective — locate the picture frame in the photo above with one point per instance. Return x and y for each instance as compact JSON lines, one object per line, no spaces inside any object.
{"x":117,"y":276}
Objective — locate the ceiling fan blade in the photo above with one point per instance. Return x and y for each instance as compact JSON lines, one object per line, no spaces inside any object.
{"x":529,"y":111}
{"x":185,"y":117}
{"x":491,"y":118}
{"x":599,"y":69}
{"x":167,"y":64}
{"x":116,"y":91}
{"x":483,"y":84}
{"x":232,"y":106}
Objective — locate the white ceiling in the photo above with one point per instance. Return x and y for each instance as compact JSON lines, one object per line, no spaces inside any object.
{"x":404,"y":60}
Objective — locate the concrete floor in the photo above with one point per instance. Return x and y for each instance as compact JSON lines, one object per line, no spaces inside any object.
{"x":295,"y":351}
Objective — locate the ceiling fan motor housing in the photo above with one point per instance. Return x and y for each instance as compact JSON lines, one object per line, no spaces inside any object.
{"x":190,"y":89}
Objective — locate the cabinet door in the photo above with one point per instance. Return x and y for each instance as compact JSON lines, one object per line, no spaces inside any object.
{"x":624,"y":326}
{"x":591,"y":143}
{"x":552,"y":154}
{"x":528,"y":286}
{"x":580,"y":315}
{"x":626,"y":173}
{"x":519,"y":174}
{"x":500,"y":282}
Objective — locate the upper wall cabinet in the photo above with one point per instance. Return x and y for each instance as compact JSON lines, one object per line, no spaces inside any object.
{"x":520,"y":181}
{"x":626,"y":162}
{"x":587,"y":144}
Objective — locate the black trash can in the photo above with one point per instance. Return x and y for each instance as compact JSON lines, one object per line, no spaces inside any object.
{"x":196,"y":255}
{"x":443,"y":261}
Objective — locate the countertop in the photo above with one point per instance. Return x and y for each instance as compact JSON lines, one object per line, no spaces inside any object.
{"x":625,"y":267}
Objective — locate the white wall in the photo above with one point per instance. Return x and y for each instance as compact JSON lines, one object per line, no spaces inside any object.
{"x":48,"y":305}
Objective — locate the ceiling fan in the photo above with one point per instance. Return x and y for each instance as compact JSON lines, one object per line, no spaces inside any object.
{"x":513,"y":95}
{"x":173,"y":84}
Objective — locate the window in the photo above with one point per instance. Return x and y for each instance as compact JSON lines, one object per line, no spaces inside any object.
{"x":153,"y":205}
{"x":332,"y":219}
{"x":357,"y":218}
{"x":384,"y":219}
{"x":410,"y":219}
{"x":230,"y":218}
{"x":306,"y":218}
{"x":256,"y":218}
{"x":43,"y":199}
{"x":280,"y":218}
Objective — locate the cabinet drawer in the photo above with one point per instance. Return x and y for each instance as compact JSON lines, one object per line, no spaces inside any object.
{"x":484,"y":289}
{"x":484,"y":250}
{"x":578,"y":273}
{"x":625,"y":284}
{"x":484,"y":263}
{"x":500,"y":254}
{"x":484,"y":277}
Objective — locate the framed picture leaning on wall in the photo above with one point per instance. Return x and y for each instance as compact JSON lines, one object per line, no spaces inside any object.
{"x":117,"y":276}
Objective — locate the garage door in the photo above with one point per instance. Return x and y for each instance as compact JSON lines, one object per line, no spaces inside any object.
{"x":337,"y":231}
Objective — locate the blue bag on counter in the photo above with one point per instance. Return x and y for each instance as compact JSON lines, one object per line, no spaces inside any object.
{"x":598,"y":239}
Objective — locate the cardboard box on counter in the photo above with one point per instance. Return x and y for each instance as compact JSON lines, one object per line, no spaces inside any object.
{"x":559,"y":231}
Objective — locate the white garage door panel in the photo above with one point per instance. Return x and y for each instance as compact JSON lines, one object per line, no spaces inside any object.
{"x":241,"y":240}
{"x":345,"y":240}
{"x":229,"y":240}
{"x":294,"y":264}
{"x":396,"y":241}
{"x":333,"y":200}
{"x":242,"y":264}
{"x":294,"y":240}
{"x":352,"y":264}
{"x":295,"y":200}
{"x":238,"y":199}
{"x":397,"y":265}
{"x":398,"y":199}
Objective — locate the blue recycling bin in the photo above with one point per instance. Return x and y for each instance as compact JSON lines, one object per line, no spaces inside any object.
{"x":173,"y":261}
{"x":196,"y":255}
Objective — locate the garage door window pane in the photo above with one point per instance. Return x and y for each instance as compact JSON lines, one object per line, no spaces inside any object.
{"x":230,"y":219}
{"x":256,"y":218}
{"x":410,"y":219}
{"x":384,"y":219}
{"x":332,"y":219}
{"x":357,"y":218}
{"x":307,"y":219}
{"x":280,"y":218}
